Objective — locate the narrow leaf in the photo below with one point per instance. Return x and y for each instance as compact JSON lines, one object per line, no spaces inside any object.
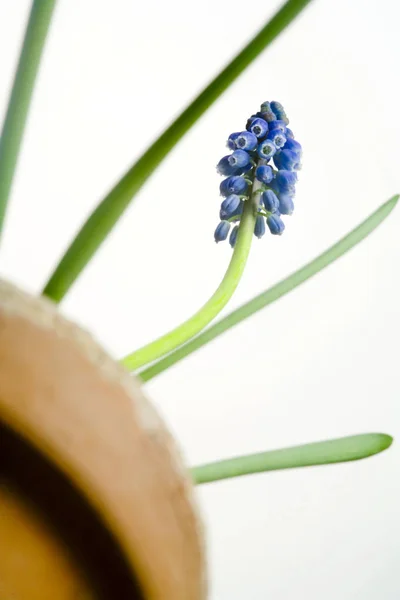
{"x":337,"y":450}
{"x":21,"y":95}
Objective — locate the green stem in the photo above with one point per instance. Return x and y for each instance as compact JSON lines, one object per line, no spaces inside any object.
{"x":337,"y":450}
{"x":274,"y":293}
{"x":105,"y":216}
{"x":209,"y":311}
{"x":21,"y":94}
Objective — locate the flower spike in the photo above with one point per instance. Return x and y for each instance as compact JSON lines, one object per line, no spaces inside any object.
{"x":262,"y":169}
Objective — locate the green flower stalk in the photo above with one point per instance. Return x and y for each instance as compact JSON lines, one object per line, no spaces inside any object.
{"x":210,"y":310}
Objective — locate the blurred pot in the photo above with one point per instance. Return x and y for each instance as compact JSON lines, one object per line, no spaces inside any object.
{"x":95,"y":501}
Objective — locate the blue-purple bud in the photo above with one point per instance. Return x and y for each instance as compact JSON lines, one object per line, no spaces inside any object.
{"x":277,"y":125}
{"x":251,"y":119}
{"x":266,"y":149}
{"x":231,"y":143}
{"x":259,"y":127}
{"x":233,"y":236}
{"x":278,"y":137}
{"x":233,"y":185}
{"x":279,"y":111}
{"x":285,"y":181}
{"x":222,"y":230}
{"x":287,"y":159}
{"x":238,"y":213}
{"x":289,"y":133}
{"x":224,"y":167}
{"x":264,"y":173}
{"x":229,"y":206}
{"x":267,"y":112}
{"x":270,"y":201}
{"x":286,"y":206}
{"x":259,"y":228}
{"x":275,"y":224}
{"x":239,"y":159}
{"x":294,"y":146}
{"x":246,"y":141}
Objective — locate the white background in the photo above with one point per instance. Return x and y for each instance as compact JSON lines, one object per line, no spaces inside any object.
{"x":323,"y":361}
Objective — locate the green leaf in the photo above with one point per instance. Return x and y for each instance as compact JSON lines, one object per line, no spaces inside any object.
{"x":21,"y":94}
{"x":275,"y":292}
{"x":105,"y":216}
{"x":337,"y":450}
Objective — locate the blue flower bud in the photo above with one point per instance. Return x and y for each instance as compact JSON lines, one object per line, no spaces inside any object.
{"x":233,"y":236}
{"x":221,"y":233}
{"x":259,"y":127}
{"x":266,"y":149}
{"x":264,"y":173}
{"x":259,"y":228}
{"x":233,"y":185}
{"x":294,"y":146}
{"x":287,"y":159}
{"x":267,"y":112}
{"x":270,"y":201}
{"x":275,"y":224}
{"x":229,"y":206}
{"x":289,"y":133}
{"x":239,"y":159}
{"x":286,"y":206}
{"x":251,"y":119}
{"x":224,"y":167}
{"x":285,"y":181}
{"x":231,"y":143}
{"x":238,"y":213}
{"x":279,"y":111}
{"x":246,"y":141}
{"x":277,"y":125}
{"x":278,"y":137}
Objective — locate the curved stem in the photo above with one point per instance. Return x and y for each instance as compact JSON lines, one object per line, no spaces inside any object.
{"x":209,"y":311}
{"x":21,"y":94}
{"x":275,"y":292}
{"x":105,"y":216}
{"x":355,"y":447}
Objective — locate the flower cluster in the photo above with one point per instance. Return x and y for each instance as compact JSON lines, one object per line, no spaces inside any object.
{"x":262,"y":168}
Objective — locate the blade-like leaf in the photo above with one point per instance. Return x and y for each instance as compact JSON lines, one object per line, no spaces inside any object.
{"x":107,"y":213}
{"x":337,"y":450}
{"x":275,"y":292}
{"x":21,"y":94}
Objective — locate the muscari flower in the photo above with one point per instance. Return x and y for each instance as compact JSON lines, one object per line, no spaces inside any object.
{"x":258,"y":127}
{"x":275,"y":224}
{"x":233,"y":236}
{"x":259,"y":228}
{"x":270,"y":201}
{"x":233,"y":185}
{"x":222,"y":230}
{"x":265,"y":154}
{"x":229,"y":206}
{"x":264,"y":173}
{"x":246,"y":140}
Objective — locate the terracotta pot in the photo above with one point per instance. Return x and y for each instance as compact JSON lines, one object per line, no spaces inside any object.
{"x":95,"y":501}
